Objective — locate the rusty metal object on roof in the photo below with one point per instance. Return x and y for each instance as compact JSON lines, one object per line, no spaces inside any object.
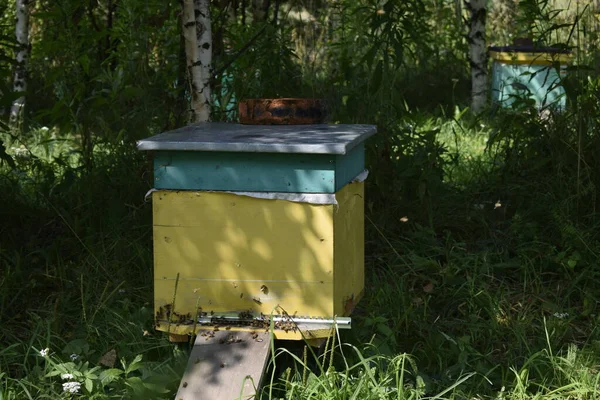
{"x":286,"y":111}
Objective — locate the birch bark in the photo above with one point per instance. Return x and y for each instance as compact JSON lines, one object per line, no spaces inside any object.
{"x":204,"y":58}
{"x":20,"y":73}
{"x":478,"y":54}
{"x":198,"y":49}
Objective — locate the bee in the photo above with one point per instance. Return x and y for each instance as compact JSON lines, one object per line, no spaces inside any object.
{"x":245,"y":315}
{"x":264,"y":289}
{"x":168,"y":307}
{"x":257,"y":301}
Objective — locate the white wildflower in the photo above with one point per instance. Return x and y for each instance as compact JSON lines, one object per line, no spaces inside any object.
{"x":66,"y":376}
{"x":74,"y":357}
{"x":71,"y":387}
{"x":561,"y":315}
{"x":121,"y":291}
{"x":21,"y":151}
{"x":44,"y":352}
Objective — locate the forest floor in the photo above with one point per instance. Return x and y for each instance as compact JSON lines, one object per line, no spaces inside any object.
{"x":482,"y":275}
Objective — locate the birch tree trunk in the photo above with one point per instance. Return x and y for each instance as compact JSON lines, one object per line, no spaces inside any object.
{"x":478,"y":54}
{"x":20,"y":73}
{"x":198,"y":49}
{"x":204,"y":59}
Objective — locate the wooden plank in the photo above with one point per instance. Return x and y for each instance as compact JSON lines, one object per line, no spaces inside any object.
{"x":255,"y":172}
{"x":304,"y":299}
{"x":227,"y":366}
{"x":180,"y":331}
{"x":349,"y":249}
{"x":348,"y":166}
{"x":235,"y":253}
{"x":219,"y":136}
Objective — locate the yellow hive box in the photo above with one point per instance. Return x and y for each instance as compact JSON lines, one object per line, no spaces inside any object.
{"x":226,"y":253}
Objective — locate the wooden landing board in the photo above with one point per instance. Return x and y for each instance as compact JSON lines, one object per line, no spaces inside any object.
{"x":227,"y":366}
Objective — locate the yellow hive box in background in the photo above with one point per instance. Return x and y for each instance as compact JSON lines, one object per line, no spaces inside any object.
{"x":236,"y":253}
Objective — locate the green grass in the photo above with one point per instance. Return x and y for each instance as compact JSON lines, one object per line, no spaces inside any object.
{"x":482,"y":272}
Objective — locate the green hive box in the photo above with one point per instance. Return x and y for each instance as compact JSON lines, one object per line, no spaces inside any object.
{"x":525,"y":71}
{"x":286,"y":158}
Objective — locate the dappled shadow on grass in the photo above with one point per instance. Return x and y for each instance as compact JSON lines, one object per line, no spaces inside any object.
{"x":497,"y":273}
{"x":73,"y":246}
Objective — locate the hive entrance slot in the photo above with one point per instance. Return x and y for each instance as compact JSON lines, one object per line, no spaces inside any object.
{"x":248,"y":136}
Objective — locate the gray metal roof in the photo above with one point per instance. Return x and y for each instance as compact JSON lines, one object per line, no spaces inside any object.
{"x":219,"y":136}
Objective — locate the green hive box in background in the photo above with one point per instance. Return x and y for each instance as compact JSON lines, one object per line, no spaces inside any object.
{"x":534,"y":73}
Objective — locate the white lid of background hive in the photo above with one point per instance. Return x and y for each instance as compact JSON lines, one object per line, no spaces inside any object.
{"x":221,"y":136}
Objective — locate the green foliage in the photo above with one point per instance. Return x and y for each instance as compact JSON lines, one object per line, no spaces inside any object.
{"x":95,"y":77}
{"x":354,"y":375}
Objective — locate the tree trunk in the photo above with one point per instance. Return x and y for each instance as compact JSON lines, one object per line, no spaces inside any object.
{"x":501,"y":21}
{"x":458,"y":14}
{"x":260,"y":10}
{"x":204,"y":60}
{"x":20,"y":74}
{"x":243,"y":11}
{"x":478,"y":54}
{"x":111,"y":42}
{"x":198,"y":49}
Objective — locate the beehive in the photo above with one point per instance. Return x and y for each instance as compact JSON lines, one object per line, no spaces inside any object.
{"x":257,"y":219}
{"x":535,"y":73}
